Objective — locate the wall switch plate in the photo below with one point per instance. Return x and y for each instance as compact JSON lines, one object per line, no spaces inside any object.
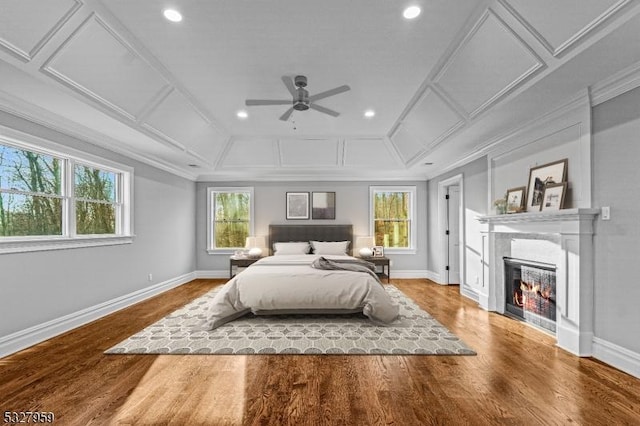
{"x":606,"y":213}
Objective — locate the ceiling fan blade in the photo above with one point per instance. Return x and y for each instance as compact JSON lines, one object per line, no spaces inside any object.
{"x":288,"y":81}
{"x":287,"y":114}
{"x":254,"y":102}
{"x":328,"y":93}
{"x":324,"y":110}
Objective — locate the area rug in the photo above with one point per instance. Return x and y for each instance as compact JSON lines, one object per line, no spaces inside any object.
{"x":415,"y":332}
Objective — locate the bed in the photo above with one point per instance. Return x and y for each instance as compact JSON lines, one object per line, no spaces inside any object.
{"x":323,"y":279}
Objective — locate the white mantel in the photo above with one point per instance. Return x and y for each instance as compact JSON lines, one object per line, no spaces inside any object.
{"x":563,"y":238}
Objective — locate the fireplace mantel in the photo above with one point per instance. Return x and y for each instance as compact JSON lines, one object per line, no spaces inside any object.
{"x":563,"y":238}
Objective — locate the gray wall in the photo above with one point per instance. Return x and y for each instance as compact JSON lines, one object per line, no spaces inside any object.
{"x":40,"y":286}
{"x":616,"y":177}
{"x":352,"y":207}
{"x":475,"y":183}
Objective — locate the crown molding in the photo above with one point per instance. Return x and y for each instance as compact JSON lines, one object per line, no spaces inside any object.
{"x":615,"y":85}
{"x":48,"y":120}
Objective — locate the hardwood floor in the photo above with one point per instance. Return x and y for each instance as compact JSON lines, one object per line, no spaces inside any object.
{"x":518,"y":377}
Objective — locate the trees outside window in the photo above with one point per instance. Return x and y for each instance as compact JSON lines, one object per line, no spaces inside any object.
{"x":49,"y":195}
{"x":30,"y":193}
{"x":230,"y":213}
{"x":96,"y":203}
{"x":393,"y":216}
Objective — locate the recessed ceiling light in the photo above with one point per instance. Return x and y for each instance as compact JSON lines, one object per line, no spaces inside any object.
{"x":172,"y":15}
{"x":242,"y":114}
{"x":369,"y":113}
{"x":411,"y":12}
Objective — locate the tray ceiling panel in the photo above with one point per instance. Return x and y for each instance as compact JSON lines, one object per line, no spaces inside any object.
{"x":26,"y":25}
{"x":570,"y":21}
{"x":251,"y":153}
{"x":99,"y":64}
{"x":432,"y":118}
{"x":309,"y":152}
{"x":176,"y":119}
{"x":407,"y":144}
{"x":490,"y":63}
{"x":369,"y":153}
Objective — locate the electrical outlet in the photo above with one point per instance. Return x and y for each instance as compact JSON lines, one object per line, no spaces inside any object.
{"x":150,"y":277}
{"x":606,"y":213}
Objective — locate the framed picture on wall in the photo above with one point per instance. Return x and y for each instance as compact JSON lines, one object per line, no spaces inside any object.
{"x":553,"y":196}
{"x":540,"y":177}
{"x":297,"y":205}
{"x":515,"y":199}
{"x":323,"y":205}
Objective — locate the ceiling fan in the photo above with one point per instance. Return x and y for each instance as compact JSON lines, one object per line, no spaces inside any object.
{"x":301,"y":99}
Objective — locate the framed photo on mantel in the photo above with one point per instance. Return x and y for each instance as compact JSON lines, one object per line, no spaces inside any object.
{"x":515,"y":199}
{"x":539,"y":178}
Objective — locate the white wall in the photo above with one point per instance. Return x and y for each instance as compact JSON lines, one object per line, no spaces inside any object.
{"x":474,"y":176}
{"x":616,"y":177}
{"x":42,"y":287}
{"x":563,"y":134}
{"x":352,"y":207}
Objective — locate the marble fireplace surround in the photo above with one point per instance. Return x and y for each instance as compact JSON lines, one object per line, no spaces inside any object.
{"x":563,"y":238}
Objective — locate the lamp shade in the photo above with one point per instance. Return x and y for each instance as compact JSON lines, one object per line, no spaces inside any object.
{"x":364,"y":242}
{"x":255,"y":245}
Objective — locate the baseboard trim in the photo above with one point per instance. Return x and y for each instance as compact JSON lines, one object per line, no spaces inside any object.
{"x":617,"y":356}
{"x":435,"y":277}
{"x":212,"y":274}
{"x":23,"y":339}
{"x":470,"y":293}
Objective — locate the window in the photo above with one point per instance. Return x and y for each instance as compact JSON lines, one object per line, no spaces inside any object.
{"x":96,"y":204}
{"x":393,"y":223}
{"x":230,"y":218}
{"x":53,"y":197}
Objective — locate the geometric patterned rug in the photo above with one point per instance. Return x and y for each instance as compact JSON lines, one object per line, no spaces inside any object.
{"x":415,"y":332}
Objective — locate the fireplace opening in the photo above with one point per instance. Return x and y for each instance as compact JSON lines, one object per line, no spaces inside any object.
{"x":530,"y":290}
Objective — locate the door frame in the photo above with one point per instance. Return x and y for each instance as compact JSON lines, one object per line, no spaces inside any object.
{"x":456,"y":180}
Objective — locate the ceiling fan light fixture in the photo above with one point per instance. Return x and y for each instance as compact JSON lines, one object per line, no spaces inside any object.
{"x":172,"y":15}
{"x":369,"y":113}
{"x":411,"y":12}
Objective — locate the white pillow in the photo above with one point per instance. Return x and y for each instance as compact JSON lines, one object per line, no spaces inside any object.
{"x":290,"y":248}
{"x":334,"y":247}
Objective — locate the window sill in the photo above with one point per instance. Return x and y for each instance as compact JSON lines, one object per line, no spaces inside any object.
{"x":226,"y":252}
{"x":399,"y":251}
{"x":61,"y":243}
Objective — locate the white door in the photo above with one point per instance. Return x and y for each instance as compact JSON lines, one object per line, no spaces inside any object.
{"x":453,"y":221}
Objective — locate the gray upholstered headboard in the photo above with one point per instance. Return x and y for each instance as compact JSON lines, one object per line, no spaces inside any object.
{"x":288,"y":233}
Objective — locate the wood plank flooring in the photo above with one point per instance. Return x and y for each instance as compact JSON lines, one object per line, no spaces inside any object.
{"x":518,"y":377}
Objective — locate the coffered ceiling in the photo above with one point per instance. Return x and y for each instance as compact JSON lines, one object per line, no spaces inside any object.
{"x":117,"y":74}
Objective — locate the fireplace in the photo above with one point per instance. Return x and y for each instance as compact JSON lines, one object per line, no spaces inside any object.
{"x":530,"y":292}
{"x":563,"y":238}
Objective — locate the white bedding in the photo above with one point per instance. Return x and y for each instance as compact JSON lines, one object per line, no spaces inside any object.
{"x":288,"y":284}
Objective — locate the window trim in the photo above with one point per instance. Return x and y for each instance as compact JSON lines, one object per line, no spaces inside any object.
{"x":412,"y":190}
{"x":210,"y":228}
{"x":69,"y":239}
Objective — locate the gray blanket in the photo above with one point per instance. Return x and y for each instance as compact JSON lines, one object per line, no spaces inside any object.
{"x":355,"y":265}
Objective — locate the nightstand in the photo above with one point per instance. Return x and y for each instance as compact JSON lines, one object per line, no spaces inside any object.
{"x":240,"y":262}
{"x":385,"y":265}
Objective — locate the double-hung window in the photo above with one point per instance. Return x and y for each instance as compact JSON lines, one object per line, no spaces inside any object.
{"x":52,"y":197}
{"x":393,"y":217}
{"x":230,"y":218}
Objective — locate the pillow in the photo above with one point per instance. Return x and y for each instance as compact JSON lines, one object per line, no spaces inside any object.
{"x":334,"y":247}
{"x":290,"y":248}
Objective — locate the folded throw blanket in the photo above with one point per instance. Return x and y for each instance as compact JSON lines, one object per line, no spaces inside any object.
{"x":355,"y":265}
